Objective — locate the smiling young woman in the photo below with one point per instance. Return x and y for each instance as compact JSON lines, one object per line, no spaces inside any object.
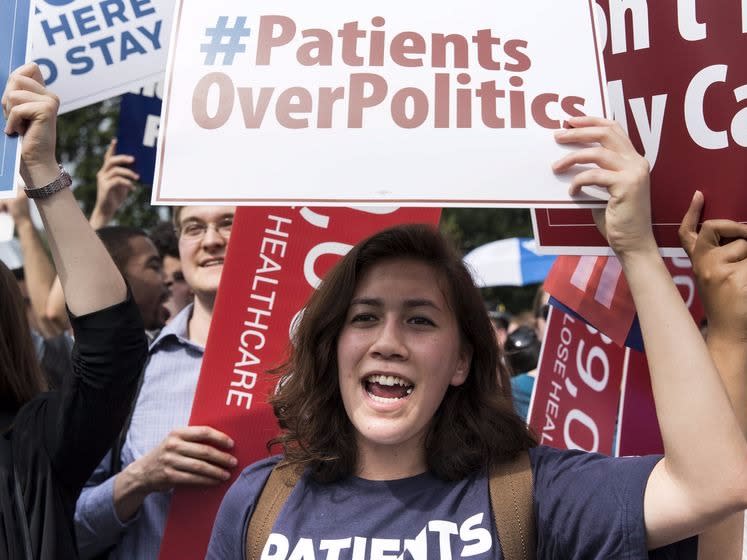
{"x":395,"y":406}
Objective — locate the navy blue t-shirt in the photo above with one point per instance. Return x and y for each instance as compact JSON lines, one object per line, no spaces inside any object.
{"x":586,"y":506}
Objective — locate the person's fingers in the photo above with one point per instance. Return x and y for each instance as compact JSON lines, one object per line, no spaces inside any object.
{"x":125,"y":172}
{"x":207,"y":453}
{"x":713,"y":231}
{"x":31,"y":70}
{"x":181,"y":478}
{"x":111,"y":149}
{"x":17,"y":87}
{"x":592,"y":177}
{"x":604,"y":158}
{"x":23,"y":75}
{"x":609,"y":136}
{"x":120,"y":160}
{"x":688,"y":227}
{"x":205,"y":434}
{"x":735,"y":251}
{"x":16,"y":99}
{"x":197,"y":467}
{"x":20,"y":116}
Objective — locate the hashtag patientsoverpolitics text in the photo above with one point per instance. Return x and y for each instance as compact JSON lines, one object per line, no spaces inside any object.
{"x":232,"y":44}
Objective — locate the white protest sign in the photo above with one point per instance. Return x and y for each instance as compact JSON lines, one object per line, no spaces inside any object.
{"x":406,"y":103}
{"x":91,"y":50}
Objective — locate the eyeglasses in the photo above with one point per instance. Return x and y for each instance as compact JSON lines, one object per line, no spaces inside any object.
{"x":193,"y":230}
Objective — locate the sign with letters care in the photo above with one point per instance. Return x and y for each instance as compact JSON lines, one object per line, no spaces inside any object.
{"x":436,"y":103}
{"x":91,"y":50}
{"x":14,"y":39}
{"x":678,"y":84}
{"x":577,"y":392}
{"x":275,"y":260}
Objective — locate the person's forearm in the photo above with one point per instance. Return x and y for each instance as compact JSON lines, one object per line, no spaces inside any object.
{"x":705,"y":449}
{"x":129,"y":493}
{"x":730,"y":357}
{"x":39,"y":274}
{"x":55,"y":310}
{"x":89,"y":278}
{"x":100,"y":218}
{"x":724,"y":541}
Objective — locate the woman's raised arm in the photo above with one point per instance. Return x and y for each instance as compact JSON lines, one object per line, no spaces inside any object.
{"x":702,"y":477}
{"x":89,"y":278}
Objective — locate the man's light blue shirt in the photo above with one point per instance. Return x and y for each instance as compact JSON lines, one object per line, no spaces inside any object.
{"x":163,"y":404}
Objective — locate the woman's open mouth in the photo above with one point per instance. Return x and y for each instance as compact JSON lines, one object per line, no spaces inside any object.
{"x":387,"y":388}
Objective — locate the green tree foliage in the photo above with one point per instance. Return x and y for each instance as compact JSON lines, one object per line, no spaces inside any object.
{"x":82,"y":138}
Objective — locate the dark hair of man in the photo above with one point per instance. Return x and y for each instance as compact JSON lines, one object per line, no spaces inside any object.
{"x":522,"y":350}
{"x":116,"y":239}
{"x":475,"y":423}
{"x":165,"y":240}
{"x":20,"y":374}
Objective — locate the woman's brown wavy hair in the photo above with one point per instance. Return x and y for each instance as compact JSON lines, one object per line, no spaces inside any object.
{"x":475,"y":423}
{"x":21,"y":377}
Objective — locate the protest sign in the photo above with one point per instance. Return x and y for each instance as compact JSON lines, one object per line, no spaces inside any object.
{"x":91,"y":50}
{"x":595,"y":289}
{"x":678,"y":84}
{"x":14,"y":44}
{"x":405,"y":103}
{"x":139,"y":119}
{"x":276,"y":258}
{"x":575,"y":400}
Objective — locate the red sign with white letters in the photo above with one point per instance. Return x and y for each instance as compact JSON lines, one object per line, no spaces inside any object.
{"x":678,"y":81}
{"x":275,"y":260}
{"x":577,"y":391}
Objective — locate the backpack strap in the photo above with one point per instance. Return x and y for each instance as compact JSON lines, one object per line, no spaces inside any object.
{"x":275,"y":493}
{"x":513,"y":512}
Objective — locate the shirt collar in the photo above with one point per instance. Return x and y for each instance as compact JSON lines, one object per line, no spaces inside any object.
{"x":177,"y":328}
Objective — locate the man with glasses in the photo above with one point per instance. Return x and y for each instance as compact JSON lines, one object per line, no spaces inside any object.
{"x":122,"y":512}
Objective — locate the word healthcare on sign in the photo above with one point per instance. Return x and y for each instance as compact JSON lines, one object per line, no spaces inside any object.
{"x":575,"y":400}
{"x":139,"y":119}
{"x":276,"y":258}
{"x":14,"y":44}
{"x":678,"y":84}
{"x":406,"y":103}
{"x":91,"y":50}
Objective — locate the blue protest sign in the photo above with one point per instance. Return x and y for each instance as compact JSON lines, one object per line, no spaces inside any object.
{"x":91,"y":50}
{"x":14,"y":32}
{"x":139,"y":118}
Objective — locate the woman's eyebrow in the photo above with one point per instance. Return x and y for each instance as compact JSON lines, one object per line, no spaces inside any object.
{"x":421,"y":302}
{"x":409,"y":303}
{"x":374,"y":302}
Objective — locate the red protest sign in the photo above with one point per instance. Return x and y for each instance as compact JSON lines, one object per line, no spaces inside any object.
{"x":276,"y":258}
{"x":678,"y":83}
{"x":595,"y":288}
{"x":575,"y":400}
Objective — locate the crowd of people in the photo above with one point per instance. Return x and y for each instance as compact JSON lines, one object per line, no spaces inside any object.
{"x":396,"y":410}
